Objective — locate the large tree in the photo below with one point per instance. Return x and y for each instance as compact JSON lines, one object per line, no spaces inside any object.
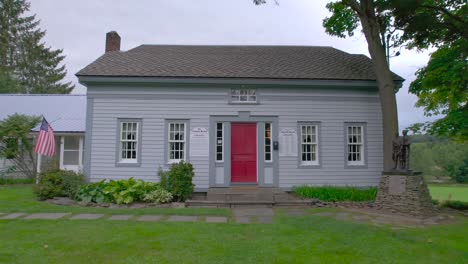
{"x":376,"y":24}
{"x":442,"y":85}
{"x":24,"y":58}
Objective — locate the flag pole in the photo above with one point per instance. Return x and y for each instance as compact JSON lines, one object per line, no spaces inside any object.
{"x":38,"y":167}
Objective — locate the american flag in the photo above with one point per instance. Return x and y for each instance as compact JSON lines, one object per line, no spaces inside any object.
{"x":45,"y":144}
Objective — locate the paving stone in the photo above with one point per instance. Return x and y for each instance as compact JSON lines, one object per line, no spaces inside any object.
{"x":253,"y":212}
{"x":149,"y":218}
{"x":120,"y":217}
{"x":265,"y":219}
{"x":216,"y":219}
{"x":324,"y":214}
{"x":342,"y":216}
{"x":86,"y":216}
{"x":295,"y":212}
{"x":242,"y":219}
{"x":12,"y":216}
{"x":46,"y":216}
{"x":182,"y":218}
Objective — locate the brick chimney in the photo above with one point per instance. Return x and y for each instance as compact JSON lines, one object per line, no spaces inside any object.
{"x":112,"y":41}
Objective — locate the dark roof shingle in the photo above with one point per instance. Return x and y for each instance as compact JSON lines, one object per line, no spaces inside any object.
{"x":265,"y":62}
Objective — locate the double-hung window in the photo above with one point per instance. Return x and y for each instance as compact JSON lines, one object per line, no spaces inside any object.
{"x":268,"y":136}
{"x":243,"y":96}
{"x":309,"y":145}
{"x":177,"y":141}
{"x":129,"y":141}
{"x":355,"y":144}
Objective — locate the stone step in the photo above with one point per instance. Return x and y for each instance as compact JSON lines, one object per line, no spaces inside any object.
{"x":250,"y":203}
{"x":244,"y":190}
{"x":240,"y":197}
{"x":224,"y":204}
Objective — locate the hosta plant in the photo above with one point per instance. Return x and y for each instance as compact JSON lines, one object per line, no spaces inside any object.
{"x":158,"y":196}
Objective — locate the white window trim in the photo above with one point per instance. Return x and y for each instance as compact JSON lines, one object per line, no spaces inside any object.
{"x":361,"y":162}
{"x":127,"y":160}
{"x":168,"y":141}
{"x":223,"y":127}
{"x":315,"y":162}
{"x":80,"y":153}
{"x":271,"y":143}
{"x":248,"y":96}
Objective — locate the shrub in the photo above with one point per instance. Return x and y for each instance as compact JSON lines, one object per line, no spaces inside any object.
{"x":178,"y":180}
{"x":329,"y":193}
{"x":94,"y":192}
{"x":458,"y":205}
{"x":58,"y":183}
{"x":158,"y":196}
{"x":71,"y":183}
{"x":129,"y":191}
{"x":123,"y":192}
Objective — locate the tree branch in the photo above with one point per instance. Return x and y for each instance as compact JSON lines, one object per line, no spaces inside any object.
{"x":354,"y":5}
{"x":445,"y":11}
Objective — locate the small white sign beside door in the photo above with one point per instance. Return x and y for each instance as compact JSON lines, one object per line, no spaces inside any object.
{"x":288,"y":142}
{"x":199,"y":142}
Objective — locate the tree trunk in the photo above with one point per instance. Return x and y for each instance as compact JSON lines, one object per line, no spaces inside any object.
{"x":385,"y":81}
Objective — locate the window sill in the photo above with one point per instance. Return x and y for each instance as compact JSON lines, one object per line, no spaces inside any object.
{"x":355,"y":165}
{"x":127,"y":164}
{"x":310,"y":165}
{"x":170,"y":162}
{"x":244,"y":103}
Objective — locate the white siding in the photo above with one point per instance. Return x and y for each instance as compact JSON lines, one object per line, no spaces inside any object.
{"x":331,"y":107}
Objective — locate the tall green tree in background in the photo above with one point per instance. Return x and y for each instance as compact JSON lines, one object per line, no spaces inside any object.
{"x":26,"y":64}
{"x":442,"y":85}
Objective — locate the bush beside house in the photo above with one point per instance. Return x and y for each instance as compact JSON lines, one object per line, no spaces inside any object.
{"x":58,"y":183}
{"x":335,"y":194}
{"x":178,"y":180}
{"x":175,"y":185}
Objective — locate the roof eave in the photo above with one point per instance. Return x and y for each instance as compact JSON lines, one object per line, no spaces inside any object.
{"x":96,"y":79}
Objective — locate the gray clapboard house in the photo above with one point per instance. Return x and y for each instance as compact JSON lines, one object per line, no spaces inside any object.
{"x":277,"y":116}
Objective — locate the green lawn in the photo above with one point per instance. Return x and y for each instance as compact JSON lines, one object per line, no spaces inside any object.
{"x":306,"y":239}
{"x":449,"y":192}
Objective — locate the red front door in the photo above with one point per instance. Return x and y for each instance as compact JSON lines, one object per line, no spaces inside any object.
{"x":243,"y":152}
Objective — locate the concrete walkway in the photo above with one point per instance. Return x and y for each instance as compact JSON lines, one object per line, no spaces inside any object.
{"x":241,"y":216}
{"x":249,"y":215}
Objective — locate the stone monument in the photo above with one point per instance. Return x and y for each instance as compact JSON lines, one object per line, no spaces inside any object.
{"x":402,"y":190}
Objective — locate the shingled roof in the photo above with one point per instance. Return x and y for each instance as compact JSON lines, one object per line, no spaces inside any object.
{"x":264,"y":62}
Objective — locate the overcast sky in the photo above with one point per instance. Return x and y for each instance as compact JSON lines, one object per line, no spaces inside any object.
{"x":79,"y":27}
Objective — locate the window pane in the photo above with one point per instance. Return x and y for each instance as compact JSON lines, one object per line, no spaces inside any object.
{"x":129,"y":140}
{"x":71,"y":142}
{"x":268,"y":135}
{"x":219,"y":141}
{"x":243,"y":95}
{"x":70,"y":157}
